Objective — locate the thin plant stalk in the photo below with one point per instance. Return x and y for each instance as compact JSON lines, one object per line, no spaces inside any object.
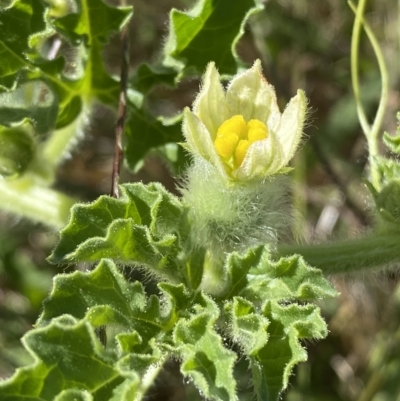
{"x":119,"y":129}
{"x":371,"y":131}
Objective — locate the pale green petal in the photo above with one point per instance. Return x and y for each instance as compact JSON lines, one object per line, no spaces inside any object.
{"x":250,"y":95}
{"x":199,"y":140}
{"x":291,"y":126}
{"x":263,"y":158}
{"x":274,"y":116}
{"x":210,"y":105}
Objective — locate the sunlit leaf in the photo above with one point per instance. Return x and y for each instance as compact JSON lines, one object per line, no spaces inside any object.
{"x":205,"y":358}
{"x":269,"y":318}
{"x":209,"y":31}
{"x":142,"y":226}
{"x":69,"y":358}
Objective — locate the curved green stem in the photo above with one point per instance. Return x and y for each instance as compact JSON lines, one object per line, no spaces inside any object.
{"x":371,"y":132}
{"x":26,"y":198}
{"x":375,"y":251}
{"x":355,"y":43}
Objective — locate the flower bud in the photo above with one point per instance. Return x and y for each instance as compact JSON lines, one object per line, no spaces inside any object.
{"x":241,"y":132}
{"x":241,"y":144}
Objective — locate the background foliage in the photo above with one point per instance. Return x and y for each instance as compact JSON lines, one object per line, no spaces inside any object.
{"x":302,"y":45}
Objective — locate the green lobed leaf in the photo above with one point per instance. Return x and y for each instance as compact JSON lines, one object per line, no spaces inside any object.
{"x":142,"y":226}
{"x":273,"y":363}
{"x":22,"y":24}
{"x":209,"y":31}
{"x":104,"y":297}
{"x":69,"y":360}
{"x":144,"y":132}
{"x":270,"y":340}
{"x":265,"y":319}
{"x":286,"y":279}
{"x":205,"y":359}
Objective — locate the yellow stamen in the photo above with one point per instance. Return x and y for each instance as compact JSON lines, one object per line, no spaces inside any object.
{"x":226,"y":144}
{"x":235,"y":125}
{"x":257,"y":131}
{"x":234,"y":137}
{"x":241,"y":151}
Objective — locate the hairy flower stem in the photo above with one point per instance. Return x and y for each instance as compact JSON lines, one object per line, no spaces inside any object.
{"x":375,"y":251}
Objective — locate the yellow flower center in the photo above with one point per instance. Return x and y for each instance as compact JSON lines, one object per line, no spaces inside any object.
{"x":235,"y":136}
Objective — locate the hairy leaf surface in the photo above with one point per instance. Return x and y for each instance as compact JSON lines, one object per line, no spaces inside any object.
{"x":268,"y":317}
{"x":142,"y":226}
{"x":205,"y":358}
{"x":69,"y":359}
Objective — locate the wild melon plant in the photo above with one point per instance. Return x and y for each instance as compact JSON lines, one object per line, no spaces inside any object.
{"x":229,"y":284}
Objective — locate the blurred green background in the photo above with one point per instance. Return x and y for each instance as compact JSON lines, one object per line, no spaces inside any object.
{"x":302,"y":44}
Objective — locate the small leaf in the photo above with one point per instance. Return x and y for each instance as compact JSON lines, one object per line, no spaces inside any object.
{"x":393,"y":141}
{"x":213,"y":22}
{"x":389,"y":169}
{"x":286,"y":279}
{"x":144,"y":132}
{"x":205,"y":358}
{"x":388,"y":201}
